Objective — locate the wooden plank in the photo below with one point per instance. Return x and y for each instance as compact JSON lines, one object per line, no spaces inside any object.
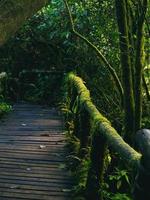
{"x":32,"y":196}
{"x":33,"y":170}
{"x":31,"y":148}
{"x":7,"y":141}
{"x":40,"y":176}
{"x":31,"y":151}
{"x":31,"y":138}
{"x":40,"y":188}
{"x":50,"y":185}
{"x":43,"y":185}
{"x":34,"y":189}
{"x":30,"y":128}
{"x":37,"y":179}
{"x":31,"y":159}
{"x":37,"y":132}
{"x":43,"y":122}
{"x":29,"y":162}
{"x":44,"y":157}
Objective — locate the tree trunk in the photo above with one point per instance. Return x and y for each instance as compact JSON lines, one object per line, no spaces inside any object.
{"x":138,"y":79}
{"x":126,"y":70}
{"x":13,"y":13}
{"x":139,"y":66}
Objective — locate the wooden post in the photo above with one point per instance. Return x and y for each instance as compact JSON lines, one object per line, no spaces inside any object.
{"x":76,"y":130}
{"x":3,"y":84}
{"x":96,"y":170}
{"x":75,"y":109}
{"x":72,"y":94}
{"x":6,"y":87}
{"x":84,"y":131}
{"x":142,"y":180}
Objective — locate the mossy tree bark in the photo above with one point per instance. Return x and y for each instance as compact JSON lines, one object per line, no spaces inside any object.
{"x":13,"y":13}
{"x":131,"y":28}
{"x":139,"y":62}
{"x":126,"y":69}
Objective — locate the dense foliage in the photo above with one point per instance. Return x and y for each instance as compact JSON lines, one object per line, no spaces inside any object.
{"x":49,"y":45}
{"x":46,"y":42}
{"x":4,"y":107}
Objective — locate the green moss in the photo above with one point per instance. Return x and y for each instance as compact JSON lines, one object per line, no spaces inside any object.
{"x":4,"y":108}
{"x":98,"y":120}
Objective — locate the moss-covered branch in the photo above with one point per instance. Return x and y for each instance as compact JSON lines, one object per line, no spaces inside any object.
{"x":98,"y":52}
{"x":13,"y":13}
{"x":114,"y":140}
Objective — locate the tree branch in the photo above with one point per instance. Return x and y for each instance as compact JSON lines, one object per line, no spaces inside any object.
{"x":100,"y":55}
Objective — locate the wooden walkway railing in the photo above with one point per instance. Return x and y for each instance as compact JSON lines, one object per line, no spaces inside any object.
{"x":88,"y":117}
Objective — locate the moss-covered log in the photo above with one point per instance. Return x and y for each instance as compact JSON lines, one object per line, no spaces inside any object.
{"x":110,"y":134}
{"x":13,"y":13}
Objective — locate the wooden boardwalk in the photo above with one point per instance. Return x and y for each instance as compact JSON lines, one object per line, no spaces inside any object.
{"x":32,"y":155}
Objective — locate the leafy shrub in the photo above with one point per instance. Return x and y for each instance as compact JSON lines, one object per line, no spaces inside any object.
{"x":4,"y":108}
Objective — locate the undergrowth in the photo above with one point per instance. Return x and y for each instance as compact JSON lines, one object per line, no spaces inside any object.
{"x":4,"y":108}
{"x":115,"y":178}
{"x":115,"y":181}
{"x":77,"y":166}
